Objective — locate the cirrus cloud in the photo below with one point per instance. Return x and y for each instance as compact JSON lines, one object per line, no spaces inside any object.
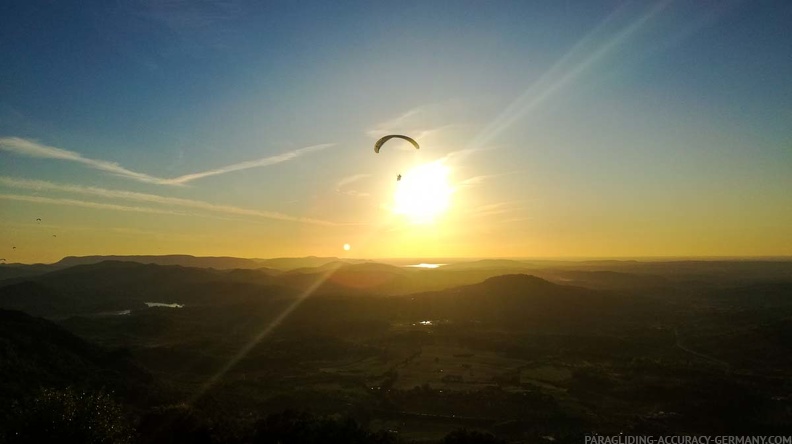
{"x":29,"y":148}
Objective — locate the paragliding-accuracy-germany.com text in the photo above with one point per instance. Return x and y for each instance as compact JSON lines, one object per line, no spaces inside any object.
{"x":685,"y":439}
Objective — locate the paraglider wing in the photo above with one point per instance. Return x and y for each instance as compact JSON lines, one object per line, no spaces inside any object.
{"x":380,"y":142}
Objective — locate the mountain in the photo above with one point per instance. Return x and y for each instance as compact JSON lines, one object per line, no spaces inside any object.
{"x":38,"y":353}
{"x":292,"y":263}
{"x":36,"y":299}
{"x":341,"y":278}
{"x":11,"y":271}
{"x":521,"y":300}
{"x":727,"y":272}
{"x":489,"y":264}
{"x":183,"y":260}
{"x":610,"y":280}
{"x":116,"y":286}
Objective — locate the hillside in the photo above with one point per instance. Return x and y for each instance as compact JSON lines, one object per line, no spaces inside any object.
{"x":38,"y":353}
{"x":116,"y":286}
{"x":520,"y":301}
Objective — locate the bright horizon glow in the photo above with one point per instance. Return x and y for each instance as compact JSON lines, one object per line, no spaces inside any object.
{"x":423,"y":193}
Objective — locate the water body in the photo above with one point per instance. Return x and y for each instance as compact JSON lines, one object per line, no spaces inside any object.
{"x":162,"y":304}
{"x":112,"y":313}
{"x":422,"y":265}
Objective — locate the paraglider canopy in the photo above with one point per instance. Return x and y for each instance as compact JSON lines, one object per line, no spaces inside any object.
{"x":380,"y":142}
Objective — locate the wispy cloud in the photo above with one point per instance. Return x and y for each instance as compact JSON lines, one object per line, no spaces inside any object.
{"x":402,"y":123}
{"x":40,"y":185}
{"x":477,"y":180}
{"x":30,"y":148}
{"x":495,"y":208}
{"x":197,"y":26}
{"x":86,"y":204}
{"x":440,"y":127}
{"x":515,"y":220}
{"x":420,"y":123}
{"x":460,"y":155}
{"x":341,"y":185}
{"x":266,"y":161}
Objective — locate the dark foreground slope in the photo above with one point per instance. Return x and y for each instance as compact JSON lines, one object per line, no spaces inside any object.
{"x":56,"y":387}
{"x":37,"y":353}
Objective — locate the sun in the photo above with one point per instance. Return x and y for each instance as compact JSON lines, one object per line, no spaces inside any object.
{"x":423,"y":193}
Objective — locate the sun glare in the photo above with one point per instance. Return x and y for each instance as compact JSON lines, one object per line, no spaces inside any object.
{"x":423,"y":193}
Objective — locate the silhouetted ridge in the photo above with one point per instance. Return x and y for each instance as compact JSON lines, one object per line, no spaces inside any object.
{"x":517,"y":281}
{"x":292,"y":263}
{"x":173,"y":259}
{"x":36,"y":353}
{"x":11,"y":271}
{"x":113,"y":286}
{"x":34,"y":298}
{"x":518,"y":300}
{"x":508,"y":264}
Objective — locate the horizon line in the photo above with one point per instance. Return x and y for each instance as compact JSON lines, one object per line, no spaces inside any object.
{"x":424,"y":259}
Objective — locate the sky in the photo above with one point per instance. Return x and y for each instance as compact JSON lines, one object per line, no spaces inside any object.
{"x":574,"y":129}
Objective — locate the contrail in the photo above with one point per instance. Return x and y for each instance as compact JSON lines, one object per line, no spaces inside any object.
{"x":40,"y":185}
{"x":29,"y":148}
{"x":265,"y":161}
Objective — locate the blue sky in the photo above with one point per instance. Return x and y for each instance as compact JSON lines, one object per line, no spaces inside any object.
{"x":572,"y":129}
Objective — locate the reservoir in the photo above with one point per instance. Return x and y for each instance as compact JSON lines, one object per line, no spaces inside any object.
{"x":422,"y":265}
{"x":162,"y":304}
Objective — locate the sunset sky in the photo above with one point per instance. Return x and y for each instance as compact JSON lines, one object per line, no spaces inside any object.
{"x":241,"y":128}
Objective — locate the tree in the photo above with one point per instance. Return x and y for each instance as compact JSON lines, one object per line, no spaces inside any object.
{"x":68,"y":415}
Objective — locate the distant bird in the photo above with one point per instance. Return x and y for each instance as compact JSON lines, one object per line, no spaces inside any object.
{"x":13,"y":248}
{"x":38,"y":219}
{"x":54,"y":235}
{"x":398,"y":178}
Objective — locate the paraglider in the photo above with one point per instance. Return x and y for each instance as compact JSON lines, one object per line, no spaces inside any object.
{"x":380,"y":142}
